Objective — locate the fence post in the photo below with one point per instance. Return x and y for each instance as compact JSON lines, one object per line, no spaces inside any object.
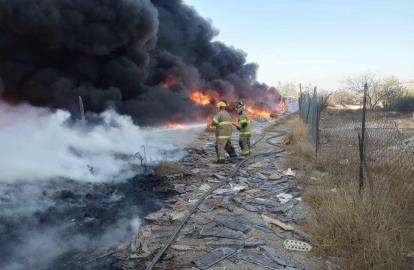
{"x":81,"y":109}
{"x":318,"y":117}
{"x":315,"y":103}
{"x":300,"y":99}
{"x":362,"y":140}
{"x":310,"y":102}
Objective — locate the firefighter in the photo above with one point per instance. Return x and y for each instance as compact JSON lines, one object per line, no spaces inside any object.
{"x":244,"y":128}
{"x":223,"y":123}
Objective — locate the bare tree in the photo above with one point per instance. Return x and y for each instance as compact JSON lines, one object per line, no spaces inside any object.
{"x":288,"y":89}
{"x":410,"y":88}
{"x":392,"y":89}
{"x":381,"y":92}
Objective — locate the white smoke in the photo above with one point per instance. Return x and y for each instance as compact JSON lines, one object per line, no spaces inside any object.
{"x":48,"y":246}
{"x":42,"y":151}
{"x":40,"y":144}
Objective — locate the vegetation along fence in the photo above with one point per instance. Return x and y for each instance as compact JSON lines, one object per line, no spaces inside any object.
{"x":362,"y":143}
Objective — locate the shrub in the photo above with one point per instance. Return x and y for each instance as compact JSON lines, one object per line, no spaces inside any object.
{"x":402,"y":104}
{"x":297,"y":141}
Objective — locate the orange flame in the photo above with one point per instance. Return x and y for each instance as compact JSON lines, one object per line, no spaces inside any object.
{"x":282,"y":106}
{"x":256,"y":113}
{"x":169,"y":81}
{"x":175,"y":125}
{"x":200,"y":98}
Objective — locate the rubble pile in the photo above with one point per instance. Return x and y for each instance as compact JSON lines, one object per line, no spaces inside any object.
{"x":251,"y":222}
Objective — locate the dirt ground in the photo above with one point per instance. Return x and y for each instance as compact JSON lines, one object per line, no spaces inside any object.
{"x":266,"y":189}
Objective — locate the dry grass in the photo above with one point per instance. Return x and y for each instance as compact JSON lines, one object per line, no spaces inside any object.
{"x":368,"y":230}
{"x":298,"y":132}
{"x":281,"y":121}
{"x":165,"y":168}
{"x":304,"y":148}
{"x":372,"y":230}
{"x":297,"y":142}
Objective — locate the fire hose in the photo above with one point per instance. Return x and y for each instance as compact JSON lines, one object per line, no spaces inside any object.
{"x":193,"y":208}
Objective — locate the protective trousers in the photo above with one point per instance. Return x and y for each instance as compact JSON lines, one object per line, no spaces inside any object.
{"x":223,"y":146}
{"x":244,"y":142}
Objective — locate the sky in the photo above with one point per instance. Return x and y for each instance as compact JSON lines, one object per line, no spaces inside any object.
{"x":317,"y":42}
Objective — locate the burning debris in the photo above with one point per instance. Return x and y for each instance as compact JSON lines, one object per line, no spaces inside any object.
{"x":200,"y":98}
{"x":153,"y":60}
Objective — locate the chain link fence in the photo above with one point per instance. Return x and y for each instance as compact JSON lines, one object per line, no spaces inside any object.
{"x":360,"y":144}
{"x":310,"y":107}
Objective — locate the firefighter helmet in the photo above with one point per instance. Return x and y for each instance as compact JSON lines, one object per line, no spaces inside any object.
{"x":221,"y":104}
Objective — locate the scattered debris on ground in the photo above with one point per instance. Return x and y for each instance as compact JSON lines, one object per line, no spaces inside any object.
{"x":244,"y":224}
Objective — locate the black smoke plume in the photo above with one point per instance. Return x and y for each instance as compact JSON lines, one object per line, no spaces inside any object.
{"x":118,"y":53}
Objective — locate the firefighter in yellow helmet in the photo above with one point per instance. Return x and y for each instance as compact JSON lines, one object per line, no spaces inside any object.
{"x":223,"y":123}
{"x":244,"y":127}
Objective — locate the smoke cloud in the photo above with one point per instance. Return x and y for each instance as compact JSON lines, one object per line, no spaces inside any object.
{"x":142,"y":57}
{"x":42,"y":145}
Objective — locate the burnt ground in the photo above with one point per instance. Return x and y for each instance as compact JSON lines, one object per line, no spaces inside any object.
{"x":228,"y":221}
{"x":70,"y":225}
{"x":59,"y":224}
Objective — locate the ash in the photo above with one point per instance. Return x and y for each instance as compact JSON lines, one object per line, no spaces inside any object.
{"x":60,"y":223}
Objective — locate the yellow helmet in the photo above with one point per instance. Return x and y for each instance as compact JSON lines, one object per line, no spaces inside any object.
{"x":221,"y":104}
